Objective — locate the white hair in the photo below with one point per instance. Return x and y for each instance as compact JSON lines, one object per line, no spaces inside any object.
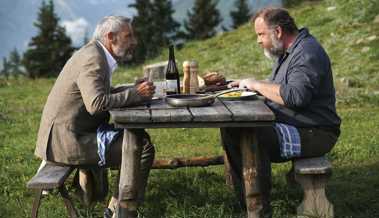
{"x":109,"y":24}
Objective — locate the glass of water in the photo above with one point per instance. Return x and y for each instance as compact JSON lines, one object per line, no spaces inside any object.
{"x":156,"y":74}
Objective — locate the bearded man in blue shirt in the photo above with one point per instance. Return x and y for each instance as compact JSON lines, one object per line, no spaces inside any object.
{"x":300,"y":92}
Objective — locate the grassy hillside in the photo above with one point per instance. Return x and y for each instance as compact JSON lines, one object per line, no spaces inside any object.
{"x":348,"y":32}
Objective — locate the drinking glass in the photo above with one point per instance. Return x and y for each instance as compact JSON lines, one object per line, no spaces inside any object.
{"x":158,"y":77}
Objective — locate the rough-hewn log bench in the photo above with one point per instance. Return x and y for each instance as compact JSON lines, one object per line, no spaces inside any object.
{"x":50,"y":177}
{"x":312,"y":174}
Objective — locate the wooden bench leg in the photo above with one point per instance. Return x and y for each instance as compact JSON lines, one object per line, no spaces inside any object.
{"x":36,"y":203}
{"x":315,"y":202}
{"x":67,"y":201}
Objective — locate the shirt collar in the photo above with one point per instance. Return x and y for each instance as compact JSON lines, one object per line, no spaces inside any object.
{"x":303,"y":32}
{"x":112,"y":63}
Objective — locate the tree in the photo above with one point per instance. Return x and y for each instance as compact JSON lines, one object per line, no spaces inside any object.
{"x":166,"y":27}
{"x":49,"y":50}
{"x":142,"y":25}
{"x":12,"y":66}
{"x":5,"y":71}
{"x":242,"y":13}
{"x":154,"y":26}
{"x":15,"y":65}
{"x":202,"y":20}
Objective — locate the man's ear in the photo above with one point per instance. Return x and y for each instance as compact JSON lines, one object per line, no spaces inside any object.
{"x":279,"y":32}
{"x":111,"y":37}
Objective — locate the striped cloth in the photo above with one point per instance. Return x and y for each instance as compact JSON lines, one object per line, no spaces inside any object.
{"x":106,"y":134}
{"x":289,"y":140}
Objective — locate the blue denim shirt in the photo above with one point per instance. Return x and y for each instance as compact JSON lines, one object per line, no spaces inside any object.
{"x":306,"y":85}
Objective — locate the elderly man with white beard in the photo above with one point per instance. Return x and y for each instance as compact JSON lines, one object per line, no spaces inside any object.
{"x":74,"y":127}
{"x":300,"y":92}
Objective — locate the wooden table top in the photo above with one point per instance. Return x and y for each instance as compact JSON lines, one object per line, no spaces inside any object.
{"x":223,"y":113}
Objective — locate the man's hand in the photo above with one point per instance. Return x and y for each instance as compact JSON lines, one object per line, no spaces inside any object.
{"x":250,"y":84}
{"x":139,"y":80}
{"x":233,"y":84}
{"x":146,"y":89}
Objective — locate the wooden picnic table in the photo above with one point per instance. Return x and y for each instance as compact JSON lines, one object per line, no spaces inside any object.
{"x":245,"y":114}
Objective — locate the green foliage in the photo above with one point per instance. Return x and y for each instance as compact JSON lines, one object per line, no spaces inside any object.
{"x":154,"y":27}
{"x":165,"y":26}
{"x":202,"y":20}
{"x":241,"y":14}
{"x":12,"y":66}
{"x":5,"y":71}
{"x":49,"y":50}
{"x":142,"y":28}
{"x":201,"y":192}
{"x":291,"y":3}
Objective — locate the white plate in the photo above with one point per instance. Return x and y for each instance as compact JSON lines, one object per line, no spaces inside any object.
{"x":244,"y":96}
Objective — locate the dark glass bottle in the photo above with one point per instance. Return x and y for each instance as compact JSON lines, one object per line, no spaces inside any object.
{"x":172,"y":74}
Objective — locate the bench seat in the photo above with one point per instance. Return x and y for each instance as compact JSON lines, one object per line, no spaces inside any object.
{"x":313,"y":174}
{"x":51,"y":176}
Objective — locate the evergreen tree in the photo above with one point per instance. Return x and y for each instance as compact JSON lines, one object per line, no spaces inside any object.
{"x":242,"y":13}
{"x":164,"y":24}
{"x":15,"y":63}
{"x":5,"y":71}
{"x":142,"y":25}
{"x":202,"y":19}
{"x":50,"y":49}
{"x":154,"y":26}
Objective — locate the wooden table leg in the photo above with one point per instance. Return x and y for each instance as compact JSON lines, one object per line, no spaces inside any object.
{"x":249,"y":172}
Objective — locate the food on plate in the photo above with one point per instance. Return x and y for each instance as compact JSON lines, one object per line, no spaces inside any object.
{"x":232,"y":94}
{"x":214,"y":78}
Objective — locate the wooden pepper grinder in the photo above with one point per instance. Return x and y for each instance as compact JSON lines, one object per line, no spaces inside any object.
{"x":186,"y":77}
{"x":194,"y":82}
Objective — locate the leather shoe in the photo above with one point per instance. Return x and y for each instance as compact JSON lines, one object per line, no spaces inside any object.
{"x":122,"y":212}
{"x":108,"y":213}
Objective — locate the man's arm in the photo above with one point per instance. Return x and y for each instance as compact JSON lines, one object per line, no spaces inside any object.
{"x":267,"y":89}
{"x":91,"y":83}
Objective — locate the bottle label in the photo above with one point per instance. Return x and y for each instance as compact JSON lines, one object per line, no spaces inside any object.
{"x":172,"y":86}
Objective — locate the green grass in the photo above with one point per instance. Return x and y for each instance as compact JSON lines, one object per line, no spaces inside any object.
{"x":201,"y":192}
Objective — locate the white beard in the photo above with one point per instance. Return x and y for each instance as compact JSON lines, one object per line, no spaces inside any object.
{"x":269,"y":55}
{"x":119,"y":51}
{"x":277,"y":49}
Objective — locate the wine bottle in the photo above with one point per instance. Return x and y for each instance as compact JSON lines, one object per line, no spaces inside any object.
{"x":172,"y":74}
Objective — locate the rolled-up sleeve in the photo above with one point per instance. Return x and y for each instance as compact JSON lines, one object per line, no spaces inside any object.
{"x":92,"y":85}
{"x":303,"y":81}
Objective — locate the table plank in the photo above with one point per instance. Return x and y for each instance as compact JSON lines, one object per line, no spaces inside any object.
{"x":223,"y":113}
{"x":157,"y":125}
{"x":131,"y":116}
{"x":249,"y":110}
{"x":161,"y":112}
{"x":216,"y":112}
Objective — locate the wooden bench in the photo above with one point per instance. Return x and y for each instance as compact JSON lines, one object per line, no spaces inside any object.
{"x":312,"y":174}
{"x":50,"y":177}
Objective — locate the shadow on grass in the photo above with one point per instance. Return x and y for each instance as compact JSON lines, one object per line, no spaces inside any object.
{"x":353,"y":190}
{"x":202,"y":193}
{"x":190,"y":193}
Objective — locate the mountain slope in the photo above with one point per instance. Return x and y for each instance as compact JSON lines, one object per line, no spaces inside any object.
{"x":346,"y":29}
